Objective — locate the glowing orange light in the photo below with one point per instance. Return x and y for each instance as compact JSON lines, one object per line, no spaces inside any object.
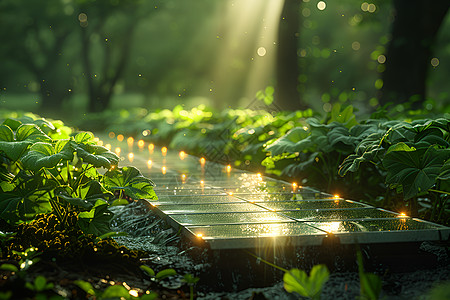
{"x":164,"y":151}
{"x":130,"y":157}
{"x":228,"y":168}
{"x":402,"y":215}
{"x":230,"y":193}
{"x":164,"y":170}
{"x":200,"y":235}
{"x":117,"y":150}
{"x":130,"y":141}
{"x":202,"y":161}
{"x":151,"y":147}
{"x":182,"y":155}
{"x":336,"y":197}
{"x":149,"y":164}
{"x":183,"y":177}
{"x":202,"y":182}
{"x":111,"y":135}
{"x":108,"y":146}
{"x":120,"y":137}
{"x":141,"y":144}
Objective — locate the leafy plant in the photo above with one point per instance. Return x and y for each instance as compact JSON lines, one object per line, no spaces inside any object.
{"x":311,"y":286}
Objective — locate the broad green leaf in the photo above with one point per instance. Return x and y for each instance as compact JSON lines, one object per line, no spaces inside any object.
{"x":97,"y":220}
{"x":165,"y":273}
{"x":415,"y":170}
{"x":84,"y":137}
{"x":42,"y":155}
{"x":294,"y":140}
{"x":12,"y":123}
{"x":14,"y":150}
{"x":6,"y":134}
{"x":311,"y":286}
{"x":31,"y":132}
{"x":131,"y":181}
{"x":20,"y":206}
{"x":98,"y":156}
{"x":400,"y":147}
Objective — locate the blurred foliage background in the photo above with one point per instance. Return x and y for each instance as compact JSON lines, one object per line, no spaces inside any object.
{"x":67,"y":57}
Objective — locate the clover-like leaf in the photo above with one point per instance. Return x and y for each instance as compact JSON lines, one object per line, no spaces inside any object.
{"x":84,"y":137}
{"x":131,"y":181}
{"x":416,"y":170}
{"x":14,"y":150}
{"x":311,"y":286}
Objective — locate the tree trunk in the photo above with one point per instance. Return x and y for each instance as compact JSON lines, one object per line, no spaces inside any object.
{"x":287,"y":96}
{"x":408,"y":55}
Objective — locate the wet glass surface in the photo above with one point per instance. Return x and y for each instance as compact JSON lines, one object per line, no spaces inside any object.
{"x":285,"y":196}
{"x":310,"y":204}
{"x":254,"y":230}
{"x":230,"y":218}
{"x":372,"y":225}
{"x":198,"y":199}
{"x":339,"y":214}
{"x":209,"y":208}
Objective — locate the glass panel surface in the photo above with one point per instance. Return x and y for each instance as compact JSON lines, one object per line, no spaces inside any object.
{"x":254,"y":230}
{"x":372,"y":225}
{"x":285,"y":196}
{"x":311,"y":204}
{"x":339,"y":214}
{"x":209,"y":208}
{"x":198,"y":199}
{"x":230,"y":218}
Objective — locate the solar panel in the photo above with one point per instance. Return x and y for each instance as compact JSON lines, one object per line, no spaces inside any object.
{"x":229,"y":209}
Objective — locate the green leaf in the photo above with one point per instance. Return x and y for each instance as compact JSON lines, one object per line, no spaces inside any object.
{"x":31,"y":132}
{"x":43,"y":155}
{"x":294,"y":140}
{"x":415,"y":170}
{"x":9,"y":267}
{"x":98,"y":156}
{"x":297,"y":281}
{"x":165,"y":273}
{"x":19,"y":206}
{"x":14,"y":150}
{"x":97,"y":220}
{"x":84,"y":137}
{"x":6,"y":134}
{"x":147,"y":270}
{"x":131,"y":181}
{"x":116,"y":292}
{"x":85,"y":286}
{"x":12,"y":123}
{"x":346,"y":116}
